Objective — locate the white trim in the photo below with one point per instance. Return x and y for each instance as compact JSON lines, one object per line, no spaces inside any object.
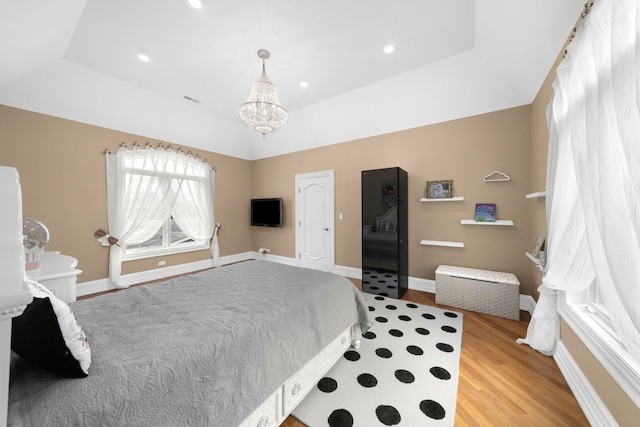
{"x":593,"y":407}
{"x":102,"y":285}
{"x":423,"y":285}
{"x":606,"y":348}
{"x":527,"y":303}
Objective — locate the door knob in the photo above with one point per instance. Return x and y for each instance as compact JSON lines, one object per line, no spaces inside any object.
{"x":326,"y":229}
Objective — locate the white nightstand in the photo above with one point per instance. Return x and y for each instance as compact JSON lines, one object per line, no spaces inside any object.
{"x":58,"y":273}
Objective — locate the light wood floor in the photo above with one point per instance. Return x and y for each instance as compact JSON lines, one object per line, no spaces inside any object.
{"x":502,"y":383}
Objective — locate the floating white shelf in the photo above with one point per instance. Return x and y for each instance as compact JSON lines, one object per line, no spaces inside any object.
{"x":532,"y":258}
{"x":448,"y":199}
{"x":536,"y":195}
{"x":535,"y":260}
{"x":442,"y":243}
{"x":506,"y":222}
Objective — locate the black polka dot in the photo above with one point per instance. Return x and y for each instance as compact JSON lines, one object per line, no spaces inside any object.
{"x":412,"y":305}
{"x":382,"y":281}
{"x":391,"y":307}
{"x":327,"y":385}
{"x":384,"y":293}
{"x":379,"y":298}
{"x":404,"y":318}
{"x":432,"y":409}
{"x":388,"y":415}
{"x":367,"y":380}
{"x":444,"y":347}
{"x":391,"y":287}
{"x":365,"y":282}
{"x":385,"y":353}
{"x":352,"y":355}
{"x":440,"y":373}
{"x":374,"y":277}
{"x":428,"y":316}
{"x":369,"y":335}
{"x":450,"y":314}
{"x":372,"y":308}
{"x":449,"y":329}
{"x":340,"y":418}
{"x":388,"y":275}
{"x":375,"y":288}
{"x":415,"y":350}
{"x":395,"y":333}
{"x":381,"y":319}
{"x":422,"y":331}
{"x":404,"y":376}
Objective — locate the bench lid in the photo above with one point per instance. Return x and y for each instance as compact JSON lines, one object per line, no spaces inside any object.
{"x":478,"y":274}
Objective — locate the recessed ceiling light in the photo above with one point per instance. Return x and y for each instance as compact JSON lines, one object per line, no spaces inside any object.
{"x":304,"y":84}
{"x":388,"y":48}
{"x":196,"y":4}
{"x":142,"y":57}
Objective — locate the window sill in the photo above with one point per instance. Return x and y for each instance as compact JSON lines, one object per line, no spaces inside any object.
{"x":604,"y":345}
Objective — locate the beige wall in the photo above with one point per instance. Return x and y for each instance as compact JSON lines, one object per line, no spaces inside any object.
{"x":62,"y":173}
{"x":464,"y":150}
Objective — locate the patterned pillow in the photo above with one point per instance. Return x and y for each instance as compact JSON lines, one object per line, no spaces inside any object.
{"x":48,"y":335}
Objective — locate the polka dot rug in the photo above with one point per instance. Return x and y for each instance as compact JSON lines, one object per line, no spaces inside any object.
{"x":404,"y":374}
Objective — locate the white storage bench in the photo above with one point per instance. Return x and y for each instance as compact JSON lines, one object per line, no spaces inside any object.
{"x":484,"y":291}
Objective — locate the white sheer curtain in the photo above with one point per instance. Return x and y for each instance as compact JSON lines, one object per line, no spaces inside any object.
{"x":593,"y":175}
{"x":143,"y":186}
{"x":193,"y":208}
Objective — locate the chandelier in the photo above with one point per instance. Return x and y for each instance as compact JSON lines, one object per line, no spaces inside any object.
{"x":263,"y":111}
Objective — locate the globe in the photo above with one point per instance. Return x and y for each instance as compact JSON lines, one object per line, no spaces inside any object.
{"x":35,"y":238}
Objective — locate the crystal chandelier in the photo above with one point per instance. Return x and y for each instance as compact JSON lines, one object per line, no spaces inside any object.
{"x":263,"y":111}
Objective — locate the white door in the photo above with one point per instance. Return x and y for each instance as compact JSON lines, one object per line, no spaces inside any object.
{"x":315,"y":238}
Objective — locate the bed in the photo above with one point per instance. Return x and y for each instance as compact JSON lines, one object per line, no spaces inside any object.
{"x":237,"y":345}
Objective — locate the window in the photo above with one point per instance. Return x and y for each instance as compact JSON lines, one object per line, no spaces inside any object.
{"x":585,"y":313}
{"x":170,"y":239}
{"x":159,"y":202}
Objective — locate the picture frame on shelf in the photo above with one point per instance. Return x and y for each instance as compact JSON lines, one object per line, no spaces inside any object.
{"x":442,"y":189}
{"x":537,"y":246}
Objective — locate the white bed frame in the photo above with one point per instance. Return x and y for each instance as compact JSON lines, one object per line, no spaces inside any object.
{"x":14,"y":293}
{"x":14,"y":297}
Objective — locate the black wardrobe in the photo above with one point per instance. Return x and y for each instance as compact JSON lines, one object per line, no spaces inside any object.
{"x":384,"y":232}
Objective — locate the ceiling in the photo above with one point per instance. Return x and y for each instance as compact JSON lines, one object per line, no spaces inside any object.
{"x":78,"y":59}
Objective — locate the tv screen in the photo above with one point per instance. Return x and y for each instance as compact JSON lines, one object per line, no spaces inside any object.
{"x":266,"y":212}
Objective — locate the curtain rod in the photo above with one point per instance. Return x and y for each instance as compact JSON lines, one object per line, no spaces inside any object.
{"x":583,"y":15}
{"x":169,"y":147}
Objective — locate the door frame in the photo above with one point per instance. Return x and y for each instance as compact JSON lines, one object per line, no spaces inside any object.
{"x":331,"y":247}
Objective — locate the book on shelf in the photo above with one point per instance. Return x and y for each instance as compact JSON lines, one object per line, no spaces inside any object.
{"x":485,"y":212}
{"x":537,"y":246}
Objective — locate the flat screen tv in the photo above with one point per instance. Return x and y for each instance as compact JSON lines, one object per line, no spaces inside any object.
{"x":266,"y":212}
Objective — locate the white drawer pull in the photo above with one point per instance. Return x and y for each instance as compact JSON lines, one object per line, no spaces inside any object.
{"x":264,"y":422}
{"x":296,"y":389}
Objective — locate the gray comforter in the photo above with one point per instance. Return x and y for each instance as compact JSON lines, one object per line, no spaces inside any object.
{"x":201,"y":350}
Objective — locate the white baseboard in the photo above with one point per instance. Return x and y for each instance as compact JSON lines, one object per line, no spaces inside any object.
{"x":594,"y":409}
{"x":527,"y":303}
{"x":102,"y":285}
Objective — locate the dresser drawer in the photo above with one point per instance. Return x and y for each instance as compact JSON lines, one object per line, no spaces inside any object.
{"x":300,"y":383}
{"x":266,"y":415}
